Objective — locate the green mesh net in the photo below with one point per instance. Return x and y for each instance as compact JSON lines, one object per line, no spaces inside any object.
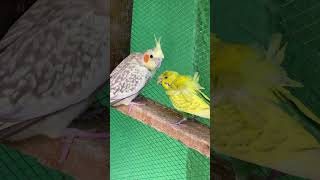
{"x":17,"y":166}
{"x":184,"y":28}
{"x":299,"y":22}
{"x":140,"y":152}
{"x":137,"y":150}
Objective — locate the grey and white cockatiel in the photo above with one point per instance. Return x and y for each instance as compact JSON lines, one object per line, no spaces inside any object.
{"x":52,"y":60}
{"x":132,"y":74}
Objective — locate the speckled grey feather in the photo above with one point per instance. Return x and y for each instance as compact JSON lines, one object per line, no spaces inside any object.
{"x":127,"y":80}
{"x":55,"y":55}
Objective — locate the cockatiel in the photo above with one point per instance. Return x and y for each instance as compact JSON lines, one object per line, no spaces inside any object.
{"x":132,"y":74}
{"x":185,"y":94}
{"x":52,"y":60}
{"x":256,"y":118}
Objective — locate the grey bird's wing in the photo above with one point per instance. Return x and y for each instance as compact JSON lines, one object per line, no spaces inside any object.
{"x":128,"y":78}
{"x":54,"y":56}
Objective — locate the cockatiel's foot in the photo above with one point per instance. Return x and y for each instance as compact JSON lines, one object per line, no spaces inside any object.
{"x":181,"y":121}
{"x":70,"y":134}
{"x":134,"y":104}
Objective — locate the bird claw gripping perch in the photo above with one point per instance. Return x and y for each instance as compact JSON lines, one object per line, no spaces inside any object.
{"x":134,"y":104}
{"x":70,"y":134}
{"x":181,"y":121}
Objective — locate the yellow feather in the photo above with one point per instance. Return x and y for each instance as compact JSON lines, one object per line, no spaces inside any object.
{"x":185,"y":93}
{"x":253,"y":118}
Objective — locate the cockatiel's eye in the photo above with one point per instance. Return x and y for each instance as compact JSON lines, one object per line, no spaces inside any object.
{"x":151,"y":56}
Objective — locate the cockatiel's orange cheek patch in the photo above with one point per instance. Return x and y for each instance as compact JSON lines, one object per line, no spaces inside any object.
{"x":146,"y":58}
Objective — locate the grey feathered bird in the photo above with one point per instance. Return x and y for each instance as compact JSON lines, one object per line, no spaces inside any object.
{"x":52,"y":60}
{"x":132,"y":74}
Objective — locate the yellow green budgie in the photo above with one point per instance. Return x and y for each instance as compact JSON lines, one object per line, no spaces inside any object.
{"x":185,"y":94}
{"x":255,"y":118}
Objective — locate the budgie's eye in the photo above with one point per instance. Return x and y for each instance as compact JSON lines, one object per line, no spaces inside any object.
{"x":151,"y":56}
{"x":166,"y":77}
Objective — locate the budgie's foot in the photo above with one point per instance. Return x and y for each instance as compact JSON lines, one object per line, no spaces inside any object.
{"x":181,"y":121}
{"x":70,"y":134}
{"x":134,"y":104}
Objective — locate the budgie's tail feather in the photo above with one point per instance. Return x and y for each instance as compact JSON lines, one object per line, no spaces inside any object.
{"x":196,"y":78}
{"x":204,"y":114}
{"x":299,"y":104}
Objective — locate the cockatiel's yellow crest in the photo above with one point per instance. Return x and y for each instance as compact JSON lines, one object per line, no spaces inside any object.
{"x":157,"y":50}
{"x":185,"y":93}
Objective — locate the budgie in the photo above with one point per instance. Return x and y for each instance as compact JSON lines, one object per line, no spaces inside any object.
{"x":132,"y":74}
{"x":185,"y":94}
{"x":255,"y":118}
{"x":52,"y":61}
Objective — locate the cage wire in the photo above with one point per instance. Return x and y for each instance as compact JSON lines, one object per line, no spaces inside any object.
{"x":137,"y":150}
{"x":17,"y":166}
{"x":299,"y":22}
{"x":185,"y":40}
{"x":140,"y":152}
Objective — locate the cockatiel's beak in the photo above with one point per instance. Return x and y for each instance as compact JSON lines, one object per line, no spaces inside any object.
{"x":159,"y":61}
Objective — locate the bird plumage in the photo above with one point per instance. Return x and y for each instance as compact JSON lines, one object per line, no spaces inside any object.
{"x":132,"y":74}
{"x":185,"y":93}
{"x":53,"y":57}
{"x":255,"y":117}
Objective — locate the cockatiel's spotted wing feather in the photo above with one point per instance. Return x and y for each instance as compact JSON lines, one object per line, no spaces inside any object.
{"x":128,"y":78}
{"x":54,"y":56}
{"x":124,"y":63}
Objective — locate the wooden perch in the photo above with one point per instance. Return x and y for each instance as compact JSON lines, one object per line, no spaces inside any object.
{"x":190,"y":133}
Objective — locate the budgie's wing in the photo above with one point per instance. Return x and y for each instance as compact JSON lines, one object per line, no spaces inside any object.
{"x":188,"y":99}
{"x":128,"y":81}
{"x":54,"y":56}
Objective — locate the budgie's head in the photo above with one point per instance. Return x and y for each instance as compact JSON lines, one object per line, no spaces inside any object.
{"x":167,"y":78}
{"x":152,"y":58}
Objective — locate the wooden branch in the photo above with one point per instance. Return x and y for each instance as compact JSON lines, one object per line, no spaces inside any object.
{"x":190,"y":133}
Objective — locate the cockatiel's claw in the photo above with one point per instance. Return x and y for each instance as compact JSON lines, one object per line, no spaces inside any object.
{"x":70,"y":134}
{"x":134,"y":104}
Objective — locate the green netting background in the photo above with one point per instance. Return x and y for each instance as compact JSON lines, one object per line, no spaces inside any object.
{"x":17,"y":166}
{"x":299,"y":22}
{"x":137,"y":150}
{"x":183,"y":26}
{"x":140,"y":152}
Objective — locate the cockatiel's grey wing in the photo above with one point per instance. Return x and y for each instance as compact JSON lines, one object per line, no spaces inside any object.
{"x":125,"y":63}
{"x":54,"y":56}
{"x":128,"y":79}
